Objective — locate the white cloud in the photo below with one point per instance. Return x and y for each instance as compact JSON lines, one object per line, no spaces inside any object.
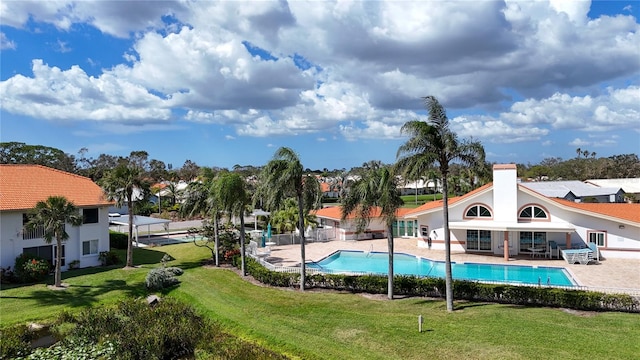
{"x":372,"y":61}
{"x":62,"y":46}
{"x":579,"y":142}
{"x":534,"y":119}
{"x":5,"y":43}
{"x":72,"y":95}
{"x":229,"y":137}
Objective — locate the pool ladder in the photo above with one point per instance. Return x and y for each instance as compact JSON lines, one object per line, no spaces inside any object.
{"x":370,"y":250}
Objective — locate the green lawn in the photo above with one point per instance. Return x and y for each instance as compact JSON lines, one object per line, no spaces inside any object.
{"x":321,"y":325}
{"x":411,"y":202}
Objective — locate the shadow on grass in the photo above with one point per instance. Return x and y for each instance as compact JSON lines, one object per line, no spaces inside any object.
{"x":462,"y":306}
{"x":82,"y":295}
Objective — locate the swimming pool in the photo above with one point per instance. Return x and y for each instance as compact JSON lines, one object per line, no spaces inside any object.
{"x":162,"y":240}
{"x":404,"y":264}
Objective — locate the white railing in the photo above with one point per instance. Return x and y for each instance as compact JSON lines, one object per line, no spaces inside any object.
{"x":37,"y":233}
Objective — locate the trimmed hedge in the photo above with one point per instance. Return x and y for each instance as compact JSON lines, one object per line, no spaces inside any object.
{"x":462,"y":290}
{"x":118,"y":240}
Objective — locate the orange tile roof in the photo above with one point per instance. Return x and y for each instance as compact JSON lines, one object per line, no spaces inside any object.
{"x":624,"y":211}
{"x":335,"y":213}
{"x":504,"y":166}
{"x":22,"y":186}
{"x":325,"y":187}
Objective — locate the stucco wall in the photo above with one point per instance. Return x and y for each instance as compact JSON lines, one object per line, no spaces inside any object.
{"x":12,"y":244}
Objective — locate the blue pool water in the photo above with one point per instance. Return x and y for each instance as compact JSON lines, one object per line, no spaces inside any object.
{"x":403,"y":264}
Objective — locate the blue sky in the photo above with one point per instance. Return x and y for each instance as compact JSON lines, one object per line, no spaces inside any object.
{"x":225,"y":83}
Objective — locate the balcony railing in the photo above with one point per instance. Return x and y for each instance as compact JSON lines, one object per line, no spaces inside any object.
{"x":37,"y":233}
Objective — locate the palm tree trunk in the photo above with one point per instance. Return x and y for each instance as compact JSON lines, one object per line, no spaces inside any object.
{"x":130,"y":244}
{"x":447,"y":245}
{"x":242,"y":251}
{"x":216,"y":238}
{"x":390,"y":249}
{"x":302,"y":241}
{"x":58,"y":275}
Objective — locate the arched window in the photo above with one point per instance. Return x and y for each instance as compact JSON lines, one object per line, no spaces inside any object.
{"x":533,"y":212}
{"x":477,"y":211}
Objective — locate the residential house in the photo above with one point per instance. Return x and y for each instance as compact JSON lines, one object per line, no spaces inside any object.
{"x":337,"y":229}
{"x":22,"y":186}
{"x":507,"y":218}
{"x":577,"y":191}
{"x":329,"y":190}
{"x":630,"y":186}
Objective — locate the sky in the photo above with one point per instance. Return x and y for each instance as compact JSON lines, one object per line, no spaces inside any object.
{"x":222,"y":83}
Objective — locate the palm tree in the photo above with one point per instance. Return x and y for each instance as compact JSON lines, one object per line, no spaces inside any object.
{"x":284,"y":177}
{"x":433,"y":144}
{"x":378,"y":189}
{"x":52,"y":215}
{"x":202,"y":199}
{"x":232,"y":194}
{"x":119,"y":185}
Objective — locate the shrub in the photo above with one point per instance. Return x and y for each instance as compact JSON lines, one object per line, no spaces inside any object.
{"x":15,"y":342}
{"x":7,"y":276}
{"x":175,"y":270}
{"x":228,"y":255}
{"x":74,"y":349}
{"x":75,"y":264}
{"x":462,"y":289}
{"x":139,"y":331}
{"x":118,"y":240}
{"x":31,"y":268}
{"x":161,"y":278}
{"x":109,"y":258}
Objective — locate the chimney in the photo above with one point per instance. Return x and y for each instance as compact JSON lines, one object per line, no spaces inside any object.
{"x":505,"y":193}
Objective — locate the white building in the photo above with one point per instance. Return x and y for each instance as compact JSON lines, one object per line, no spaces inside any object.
{"x":22,"y":186}
{"x":506,"y":218}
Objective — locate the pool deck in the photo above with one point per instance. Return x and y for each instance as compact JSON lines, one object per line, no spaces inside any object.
{"x":610,"y":273}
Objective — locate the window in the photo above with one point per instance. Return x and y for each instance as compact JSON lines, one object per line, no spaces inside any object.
{"x":479,"y":240}
{"x":424,"y":231}
{"x":532,"y":240}
{"x":90,"y":247}
{"x":597,"y":237}
{"x":478,"y":211}
{"x":90,"y":216}
{"x":532,"y":212}
{"x":45,"y":252}
{"x":55,"y":254}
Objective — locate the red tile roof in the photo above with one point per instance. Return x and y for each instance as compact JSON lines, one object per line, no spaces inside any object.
{"x":624,"y":211}
{"x":325,"y":187}
{"x":335,"y":213}
{"x":22,"y":186}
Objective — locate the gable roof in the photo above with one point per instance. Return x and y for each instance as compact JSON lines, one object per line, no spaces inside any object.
{"x":628,"y":185}
{"x":622,"y":211}
{"x":438,"y":204}
{"x":22,"y":186}
{"x":560,"y":189}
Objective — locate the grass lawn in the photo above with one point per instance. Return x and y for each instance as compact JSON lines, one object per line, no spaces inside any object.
{"x":323,"y":325}
{"x":411,"y":202}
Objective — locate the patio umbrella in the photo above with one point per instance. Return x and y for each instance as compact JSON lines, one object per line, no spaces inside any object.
{"x":269,"y":232}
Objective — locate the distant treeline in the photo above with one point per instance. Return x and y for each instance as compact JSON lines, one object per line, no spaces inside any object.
{"x":584,"y":166}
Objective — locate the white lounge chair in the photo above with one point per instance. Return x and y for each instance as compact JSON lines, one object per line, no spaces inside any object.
{"x":582,"y":256}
